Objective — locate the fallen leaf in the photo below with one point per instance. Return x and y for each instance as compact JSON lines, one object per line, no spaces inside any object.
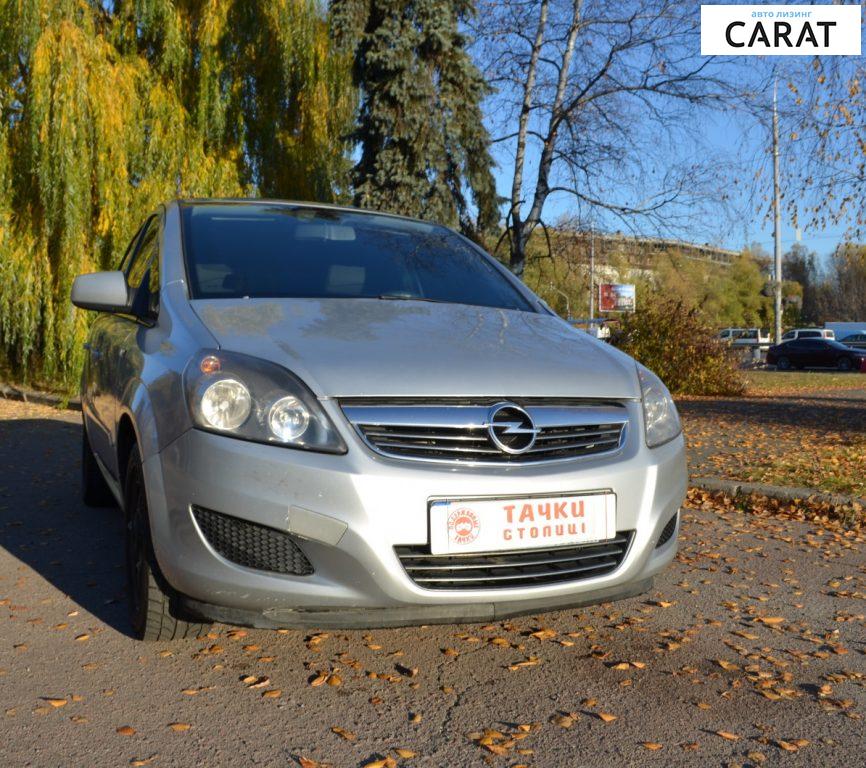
{"x":651,"y":745}
{"x":728,"y":735}
{"x":56,"y":703}
{"x":179,"y":727}
{"x":532,"y":661}
{"x":407,"y":754}
{"x":273,"y":693}
{"x":125,"y":730}
{"x":305,"y":762}
{"x":343,"y":733}
{"x":606,"y":717}
{"x":564,"y":720}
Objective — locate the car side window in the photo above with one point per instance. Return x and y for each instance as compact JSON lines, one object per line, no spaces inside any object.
{"x":788,"y":335}
{"x":141,"y":259}
{"x":130,"y":250}
{"x":810,"y":334}
{"x":153,"y":280}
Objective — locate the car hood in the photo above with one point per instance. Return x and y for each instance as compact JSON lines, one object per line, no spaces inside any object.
{"x":380,"y":348}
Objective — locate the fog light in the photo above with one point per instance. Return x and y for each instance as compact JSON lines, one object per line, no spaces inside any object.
{"x":288,"y":419}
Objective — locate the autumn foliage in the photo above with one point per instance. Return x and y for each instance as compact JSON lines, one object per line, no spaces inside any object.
{"x":679,"y":345}
{"x":108,"y":109}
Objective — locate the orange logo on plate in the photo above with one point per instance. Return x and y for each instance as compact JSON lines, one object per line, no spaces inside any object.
{"x":463,"y":526}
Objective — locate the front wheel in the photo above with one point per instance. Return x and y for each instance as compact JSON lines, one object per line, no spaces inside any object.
{"x":783,"y":364}
{"x":150,"y":597}
{"x":844,"y":364}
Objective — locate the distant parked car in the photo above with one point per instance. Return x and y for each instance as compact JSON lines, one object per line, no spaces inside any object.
{"x":815,"y":353}
{"x":742,"y":337}
{"x":808,"y":333}
{"x":856,"y":340}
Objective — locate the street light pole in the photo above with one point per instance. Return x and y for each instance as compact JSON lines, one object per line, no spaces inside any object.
{"x":591,"y":274}
{"x":777,"y":221}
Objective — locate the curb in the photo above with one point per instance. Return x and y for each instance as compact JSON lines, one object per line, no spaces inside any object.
{"x":781,"y":493}
{"x":42,"y":398}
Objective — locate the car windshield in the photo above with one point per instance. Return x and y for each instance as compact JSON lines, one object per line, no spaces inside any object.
{"x":267,"y":250}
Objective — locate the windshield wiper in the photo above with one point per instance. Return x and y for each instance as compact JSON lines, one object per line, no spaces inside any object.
{"x":408,"y":297}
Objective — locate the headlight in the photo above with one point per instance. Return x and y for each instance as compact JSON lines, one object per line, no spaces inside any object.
{"x":252,"y":399}
{"x":661,"y":420}
{"x":225,"y":404}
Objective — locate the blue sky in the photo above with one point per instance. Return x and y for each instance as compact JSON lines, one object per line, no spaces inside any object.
{"x":740,"y":146}
{"x":744,"y":144}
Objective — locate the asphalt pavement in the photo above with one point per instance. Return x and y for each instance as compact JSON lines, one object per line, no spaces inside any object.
{"x":750,"y":650}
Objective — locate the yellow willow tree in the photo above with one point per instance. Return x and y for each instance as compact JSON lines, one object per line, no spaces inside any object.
{"x":106,"y":109}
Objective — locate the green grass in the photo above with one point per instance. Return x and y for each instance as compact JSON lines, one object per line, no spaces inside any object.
{"x":800,"y":382}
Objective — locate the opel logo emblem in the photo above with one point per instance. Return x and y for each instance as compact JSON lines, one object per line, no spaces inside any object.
{"x":510,"y":428}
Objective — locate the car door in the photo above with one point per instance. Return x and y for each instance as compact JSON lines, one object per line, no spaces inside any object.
{"x":96,"y":401}
{"x":815,"y":353}
{"x":117,"y":332}
{"x":793,"y":350}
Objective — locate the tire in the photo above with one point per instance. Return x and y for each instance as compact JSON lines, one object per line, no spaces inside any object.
{"x":94,"y":490}
{"x":150,"y":597}
{"x":783,"y":364}
{"x":844,"y":364}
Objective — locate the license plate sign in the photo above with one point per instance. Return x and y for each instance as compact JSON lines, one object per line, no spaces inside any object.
{"x":493,"y":525}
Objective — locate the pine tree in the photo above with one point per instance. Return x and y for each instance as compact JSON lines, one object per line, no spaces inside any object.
{"x":107,"y":109}
{"x":423,"y":144}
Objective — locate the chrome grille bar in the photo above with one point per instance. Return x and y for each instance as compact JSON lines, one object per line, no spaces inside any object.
{"x":459,"y":433}
{"x":501,"y":570}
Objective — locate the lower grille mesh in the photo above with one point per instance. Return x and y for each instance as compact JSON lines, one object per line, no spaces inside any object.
{"x":252,"y":545}
{"x":668,"y":531}
{"x":504,"y":570}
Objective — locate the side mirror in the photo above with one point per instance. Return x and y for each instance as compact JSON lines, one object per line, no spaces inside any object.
{"x":102,"y":292}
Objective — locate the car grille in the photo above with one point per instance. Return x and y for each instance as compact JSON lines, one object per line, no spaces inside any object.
{"x":462,"y":433}
{"x":252,"y":545}
{"x":506,"y":570}
{"x":668,"y":531}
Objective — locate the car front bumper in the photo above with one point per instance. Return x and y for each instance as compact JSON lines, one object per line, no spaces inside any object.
{"x":349,"y":512}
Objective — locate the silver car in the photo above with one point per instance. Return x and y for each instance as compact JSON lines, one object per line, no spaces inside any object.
{"x":315,"y":416}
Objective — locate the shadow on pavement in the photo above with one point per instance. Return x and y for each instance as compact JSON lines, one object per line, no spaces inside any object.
{"x":44,"y":524}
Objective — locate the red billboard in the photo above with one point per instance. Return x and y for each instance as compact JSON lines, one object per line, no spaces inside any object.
{"x":616,"y":297}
